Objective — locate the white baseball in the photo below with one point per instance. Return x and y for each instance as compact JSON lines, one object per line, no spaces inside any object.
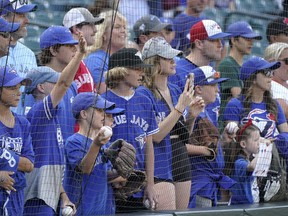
{"x":67,"y":211}
{"x":107,"y":131}
{"x":147,"y":204}
{"x":231,"y":128}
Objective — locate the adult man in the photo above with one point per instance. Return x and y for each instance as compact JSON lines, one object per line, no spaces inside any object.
{"x":147,"y":27}
{"x":80,"y":20}
{"x":206,"y":46}
{"x":5,"y":30}
{"x":277,"y":30}
{"x":184,"y":21}
{"x":20,"y":57}
{"x":240,"y":44}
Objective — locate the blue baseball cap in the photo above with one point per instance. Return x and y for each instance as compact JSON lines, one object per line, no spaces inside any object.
{"x":56,"y":35}
{"x":40,"y":75}
{"x":242,"y":29}
{"x":9,"y":77}
{"x":16,"y":6}
{"x":84,"y":100}
{"x":168,"y":21}
{"x":8,"y":27}
{"x":254,"y":64}
{"x":206,"y":75}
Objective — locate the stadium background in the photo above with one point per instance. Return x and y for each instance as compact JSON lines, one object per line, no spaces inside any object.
{"x":256,"y":12}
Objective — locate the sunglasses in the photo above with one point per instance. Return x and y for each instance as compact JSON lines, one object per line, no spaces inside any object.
{"x":285,"y":60}
{"x":268,"y":73}
{"x":5,"y":34}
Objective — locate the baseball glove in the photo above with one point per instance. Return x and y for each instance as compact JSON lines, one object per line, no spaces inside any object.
{"x":122,"y":156}
{"x":135,"y":183}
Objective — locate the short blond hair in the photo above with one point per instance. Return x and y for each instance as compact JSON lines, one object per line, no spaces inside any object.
{"x":114,"y":76}
{"x":274,"y":51}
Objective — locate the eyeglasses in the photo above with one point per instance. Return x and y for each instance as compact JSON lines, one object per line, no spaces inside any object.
{"x":214,"y":76}
{"x":5,"y":34}
{"x":285,"y":60}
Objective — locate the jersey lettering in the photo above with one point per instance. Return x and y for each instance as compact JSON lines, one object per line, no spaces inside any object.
{"x":7,"y":156}
{"x":14,"y":144}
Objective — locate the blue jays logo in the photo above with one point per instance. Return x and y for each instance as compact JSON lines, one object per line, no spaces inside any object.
{"x":263,"y":120}
{"x":141,"y":139}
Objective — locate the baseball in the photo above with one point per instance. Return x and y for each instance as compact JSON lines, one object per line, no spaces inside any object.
{"x":231,"y":128}
{"x":107,"y":131}
{"x":67,"y":211}
{"x":147,"y":204}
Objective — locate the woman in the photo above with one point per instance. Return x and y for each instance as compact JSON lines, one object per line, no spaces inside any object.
{"x":170,"y":108}
{"x":279,"y":52}
{"x":256,"y":103}
{"x":111,"y":36}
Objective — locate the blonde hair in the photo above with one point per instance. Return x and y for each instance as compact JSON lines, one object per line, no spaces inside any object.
{"x":274,"y":51}
{"x":151,"y":73}
{"x":109,"y":16}
{"x":114,"y":76}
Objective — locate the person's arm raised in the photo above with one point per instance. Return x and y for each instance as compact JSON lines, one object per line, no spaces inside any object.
{"x":67,"y":75}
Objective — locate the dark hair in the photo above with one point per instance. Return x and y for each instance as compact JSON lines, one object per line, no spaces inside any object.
{"x":45,"y":55}
{"x":271,"y":104}
{"x":230,"y":41}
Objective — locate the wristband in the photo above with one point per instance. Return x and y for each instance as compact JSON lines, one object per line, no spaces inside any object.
{"x":212,"y":157}
{"x":177,"y":110}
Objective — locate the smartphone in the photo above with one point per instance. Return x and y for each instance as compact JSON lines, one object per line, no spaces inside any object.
{"x":191,"y":80}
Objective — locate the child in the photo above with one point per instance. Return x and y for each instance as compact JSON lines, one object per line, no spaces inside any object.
{"x":86,"y":180}
{"x":16,"y":152}
{"x":248,"y":138}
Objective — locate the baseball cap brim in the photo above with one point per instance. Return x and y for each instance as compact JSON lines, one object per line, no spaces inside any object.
{"x":72,"y":42}
{"x":220,"y":36}
{"x":159,"y":27}
{"x":252,"y":36}
{"x":17,"y":80}
{"x":26,"y":8}
{"x":10,"y":27}
{"x":272,"y":66}
{"x":96,"y":20}
{"x":218,"y":80}
{"x":171,"y":54}
{"x":115,"y":111}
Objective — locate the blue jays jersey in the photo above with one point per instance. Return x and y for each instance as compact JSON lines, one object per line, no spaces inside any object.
{"x":265,"y":121}
{"x":162,"y":150}
{"x":92,"y":192}
{"x":16,"y":142}
{"x":135,"y":124}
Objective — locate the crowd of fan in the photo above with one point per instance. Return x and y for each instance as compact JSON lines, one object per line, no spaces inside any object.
{"x":195,"y":108}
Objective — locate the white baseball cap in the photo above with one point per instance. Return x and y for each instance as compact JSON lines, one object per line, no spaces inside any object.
{"x":79,"y":15}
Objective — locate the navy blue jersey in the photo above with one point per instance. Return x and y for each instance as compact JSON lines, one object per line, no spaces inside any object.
{"x":92,"y":193}
{"x":135,"y":124}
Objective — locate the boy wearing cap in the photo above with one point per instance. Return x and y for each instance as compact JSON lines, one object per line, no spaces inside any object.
{"x":58,"y":47}
{"x":169,"y":31}
{"x":20,"y":58}
{"x":137,"y":124}
{"x":16,"y":152}
{"x":206,"y":47}
{"x":277,"y":30}
{"x":86,"y":181}
{"x":44,"y":188}
{"x":80,"y":20}
{"x":147,"y":27}
{"x":205,"y":188}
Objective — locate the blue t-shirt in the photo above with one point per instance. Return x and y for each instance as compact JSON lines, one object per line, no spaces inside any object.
{"x":265,"y":121}
{"x":162,"y":150}
{"x":135,"y":124}
{"x":242,"y":190}
{"x":97,"y":63}
{"x":92,"y":193}
{"x":16,"y":142}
